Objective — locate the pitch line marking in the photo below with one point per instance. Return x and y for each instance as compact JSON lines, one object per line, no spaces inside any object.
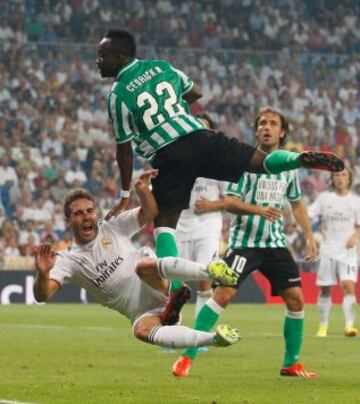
{"x":2,"y":401}
{"x":57,"y":327}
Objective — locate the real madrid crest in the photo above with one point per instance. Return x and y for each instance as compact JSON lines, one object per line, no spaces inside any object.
{"x":106,"y":242}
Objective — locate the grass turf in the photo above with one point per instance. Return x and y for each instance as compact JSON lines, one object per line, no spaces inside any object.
{"x":86,"y":354}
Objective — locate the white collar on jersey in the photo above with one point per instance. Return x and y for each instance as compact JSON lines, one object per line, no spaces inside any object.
{"x":127,"y":67}
{"x":83,"y":247}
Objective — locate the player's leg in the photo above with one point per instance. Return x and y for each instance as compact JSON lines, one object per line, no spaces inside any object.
{"x":205,"y":250}
{"x":348,"y":306}
{"x":244,"y":261}
{"x":293,"y":324}
{"x":149,"y":329}
{"x":226,"y":159}
{"x":205,"y":321}
{"x":324,"y":308}
{"x":165,"y":240}
{"x":281,"y":270}
{"x":283,"y":160}
{"x":155,"y":271}
{"x":325,"y":279}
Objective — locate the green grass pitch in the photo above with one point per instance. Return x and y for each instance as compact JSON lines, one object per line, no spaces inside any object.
{"x":86,"y":354}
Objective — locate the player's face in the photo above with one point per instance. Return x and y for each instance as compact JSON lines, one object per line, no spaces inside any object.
{"x":341,"y":180}
{"x":108,"y":61}
{"x":83,"y":220}
{"x":269,"y":131}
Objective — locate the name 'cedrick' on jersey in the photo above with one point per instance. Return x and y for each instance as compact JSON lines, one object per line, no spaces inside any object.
{"x":146,"y":105}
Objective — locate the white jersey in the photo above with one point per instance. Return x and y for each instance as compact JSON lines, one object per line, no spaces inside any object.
{"x":339,"y":215}
{"x":191,"y":225}
{"x":105,"y":267}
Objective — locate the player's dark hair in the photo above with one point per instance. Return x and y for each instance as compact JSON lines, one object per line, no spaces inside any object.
{"x":285,"y":126}
{"x":206,"y":117}
{"x":73,"y":195}
{"x":123,"y":41}
{"x":351,"y":178}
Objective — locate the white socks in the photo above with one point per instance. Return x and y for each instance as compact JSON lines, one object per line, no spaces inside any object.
{"x":179,"y":268}
{"x":324,"y":306}
{"x":179,"y":336}
{"x":348,"y":310}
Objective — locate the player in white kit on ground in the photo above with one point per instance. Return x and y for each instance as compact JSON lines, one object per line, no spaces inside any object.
{"x":104,"y":261}
{"x":339,"y":212}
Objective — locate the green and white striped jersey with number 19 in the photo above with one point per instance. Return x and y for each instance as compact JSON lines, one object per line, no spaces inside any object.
{"x":253,"y":231}
{"x":146,"y":105}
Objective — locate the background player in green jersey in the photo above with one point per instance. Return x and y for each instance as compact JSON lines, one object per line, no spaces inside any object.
{"x":257,"y":241}
{"x":149,"y":105}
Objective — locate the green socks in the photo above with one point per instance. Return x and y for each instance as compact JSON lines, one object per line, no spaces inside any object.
{"x":166,"y":247}
{"x":205,"y":321}
{"x":281,"y":160}
{"x":293,"y":334}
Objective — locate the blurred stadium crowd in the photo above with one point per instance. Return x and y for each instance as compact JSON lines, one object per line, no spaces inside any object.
{"x":300,"y":57}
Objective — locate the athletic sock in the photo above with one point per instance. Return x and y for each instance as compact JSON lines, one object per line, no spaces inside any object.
{"x":293,"y":334}
{"x":281,"y":160}
{"x":324,"y":306}
{"x":179,"y":336}
{"x":202,"y":296}
{"x":205,"y":321}
{"x":180,"y":268}
{"x":166,"y":247}
{"x":348,"y":310}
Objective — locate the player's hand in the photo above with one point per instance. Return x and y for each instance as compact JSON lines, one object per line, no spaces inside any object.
{"x":352,"y":241}
{"x":270,"y":213}
{"x":311,"y":249}
{"x":203,"y":205}
{"x":143,"y":182}
{"x":45,"y":258}
{"x":118,"y":208}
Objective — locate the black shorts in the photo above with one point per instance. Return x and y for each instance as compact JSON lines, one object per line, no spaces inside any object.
{"x":276,"y":264}
{"x":199,"y":154}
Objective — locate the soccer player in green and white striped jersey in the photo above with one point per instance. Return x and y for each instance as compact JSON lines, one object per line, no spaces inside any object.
{"x":149,"y":106}
{"x":257,"y":241}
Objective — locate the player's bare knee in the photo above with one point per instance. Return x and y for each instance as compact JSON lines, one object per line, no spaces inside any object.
{"x":141,"y":331}
{"x":223,"y":295}
{"x":325,"y":291}
{"x":145,"y":267}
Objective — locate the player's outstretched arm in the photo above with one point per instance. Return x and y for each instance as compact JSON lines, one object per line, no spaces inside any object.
{"x":124,"y":158}
{"x":148,"y":206}
{"x":44,"y":288}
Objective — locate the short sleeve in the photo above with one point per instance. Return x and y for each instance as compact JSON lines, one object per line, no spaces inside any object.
{"x":121,"y":120}
{"x":238,"y":189}
{"x":127,"y":222}
{"x":62,"y":271}
{"x":293,"y":192}
{"x":186,"y":82}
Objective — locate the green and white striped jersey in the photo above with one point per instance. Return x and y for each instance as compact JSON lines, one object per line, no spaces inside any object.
{"x":253,"y":231}
{"x":145,"y":105}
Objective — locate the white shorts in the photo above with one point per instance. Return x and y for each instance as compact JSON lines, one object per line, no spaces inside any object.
{"x":148,"y":302}
{"x":137,"y":298}
{"x":342,"y":268}
{"x":201,"y":250}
